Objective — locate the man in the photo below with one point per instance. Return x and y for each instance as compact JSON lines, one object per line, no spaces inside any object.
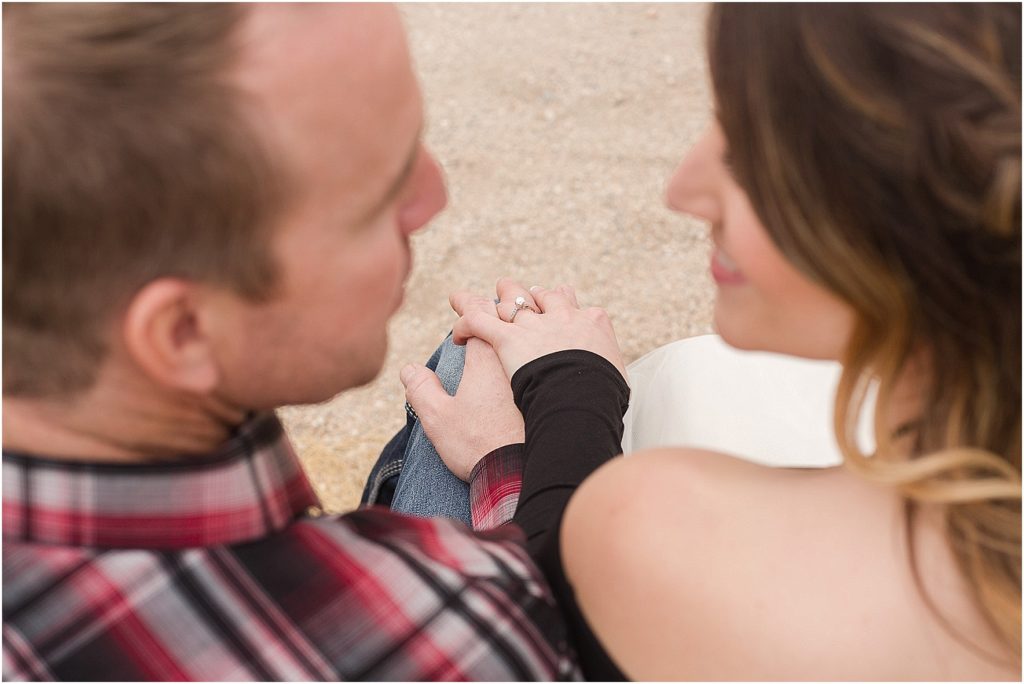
{"x":207,"y":216}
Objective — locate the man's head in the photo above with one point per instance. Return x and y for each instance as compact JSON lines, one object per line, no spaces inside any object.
{"x":218,"y":196}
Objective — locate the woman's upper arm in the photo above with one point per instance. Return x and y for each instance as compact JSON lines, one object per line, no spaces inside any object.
{"x":694,"y":565}
{"x":633,"y":567}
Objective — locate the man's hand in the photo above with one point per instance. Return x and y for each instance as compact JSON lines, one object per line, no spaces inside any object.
{"x":480,"y":417}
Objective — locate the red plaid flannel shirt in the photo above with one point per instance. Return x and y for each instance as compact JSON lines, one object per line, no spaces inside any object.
{"x":215,"y":569}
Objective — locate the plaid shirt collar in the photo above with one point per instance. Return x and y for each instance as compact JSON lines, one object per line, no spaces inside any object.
{"x":250,"y":487}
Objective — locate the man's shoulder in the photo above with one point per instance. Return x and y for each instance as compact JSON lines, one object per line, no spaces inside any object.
{"x":344,"y":595}
{"x":377,"y":534}
{"x":363,"y":541}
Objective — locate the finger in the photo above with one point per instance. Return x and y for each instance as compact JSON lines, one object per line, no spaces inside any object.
{"x":552,"y":301}
{"x":464,"y":302}
{"x":424,"y":393}
{"x":507,"y":309}
{"x":479,"y":324}
{"x":504,"y":310}
{"x":508,"y":289}
{"x":482,"y":357}
{"x":570,"y":292}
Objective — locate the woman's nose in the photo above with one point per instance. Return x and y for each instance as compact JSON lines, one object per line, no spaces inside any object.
{"x":694,"y":186}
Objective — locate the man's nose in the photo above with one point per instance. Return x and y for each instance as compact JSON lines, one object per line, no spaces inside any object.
{"x":429,"y":195}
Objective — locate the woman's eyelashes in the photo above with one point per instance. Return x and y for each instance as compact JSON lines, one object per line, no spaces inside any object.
{"x":727,"y":162}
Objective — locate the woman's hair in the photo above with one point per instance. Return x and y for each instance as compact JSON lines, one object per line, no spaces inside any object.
{"x":880,"y":146}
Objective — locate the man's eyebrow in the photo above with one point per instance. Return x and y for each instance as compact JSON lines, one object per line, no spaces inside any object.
{"x":399,"y":182}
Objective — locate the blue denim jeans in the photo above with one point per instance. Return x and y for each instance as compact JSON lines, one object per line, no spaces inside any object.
{"x":409,"y":476}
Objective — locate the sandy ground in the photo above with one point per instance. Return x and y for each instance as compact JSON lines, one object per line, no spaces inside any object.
{"x":557,"y":127}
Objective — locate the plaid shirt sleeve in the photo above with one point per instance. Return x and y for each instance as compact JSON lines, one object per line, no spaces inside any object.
{"x":494,"y":486}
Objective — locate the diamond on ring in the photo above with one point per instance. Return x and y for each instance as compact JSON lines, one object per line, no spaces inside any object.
{"x":521,"y":304}
{"x":518,"y":305}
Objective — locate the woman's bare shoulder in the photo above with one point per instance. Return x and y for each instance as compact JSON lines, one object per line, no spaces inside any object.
{"x":691,"y":564}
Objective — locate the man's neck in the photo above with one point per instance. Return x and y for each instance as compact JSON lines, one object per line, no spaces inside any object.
{"x":120,"y":420}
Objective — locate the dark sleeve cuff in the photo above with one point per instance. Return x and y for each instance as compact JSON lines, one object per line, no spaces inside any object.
{"x":494,"y":486}
{"x":573,"y":402}
{"x":573,"y":379}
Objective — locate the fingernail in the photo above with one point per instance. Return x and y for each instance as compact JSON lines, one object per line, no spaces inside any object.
{"x":534,"y":287}
{"x":406,"y":373}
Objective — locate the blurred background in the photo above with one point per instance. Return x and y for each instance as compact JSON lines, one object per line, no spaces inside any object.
{"x":557,"y":126}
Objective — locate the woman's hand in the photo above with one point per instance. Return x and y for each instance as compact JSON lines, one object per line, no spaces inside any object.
{"x":556,"y":324}
{"x":481,"y":416}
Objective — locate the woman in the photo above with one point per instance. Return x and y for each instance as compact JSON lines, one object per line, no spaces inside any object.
{"x":862,"y":185}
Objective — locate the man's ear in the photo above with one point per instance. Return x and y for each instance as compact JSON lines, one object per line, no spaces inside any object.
{"x":162,"y":334}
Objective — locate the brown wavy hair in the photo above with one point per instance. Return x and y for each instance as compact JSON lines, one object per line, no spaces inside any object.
{"x":880,"y":146}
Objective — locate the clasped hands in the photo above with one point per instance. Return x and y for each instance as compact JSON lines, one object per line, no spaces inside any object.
{"x":482,"y":415}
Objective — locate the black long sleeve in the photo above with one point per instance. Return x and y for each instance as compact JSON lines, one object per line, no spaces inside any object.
{"x":573,"y":403}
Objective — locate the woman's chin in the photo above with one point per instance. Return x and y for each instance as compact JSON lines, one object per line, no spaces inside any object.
{"x":734,"y":333}
{"x":751,"y":327}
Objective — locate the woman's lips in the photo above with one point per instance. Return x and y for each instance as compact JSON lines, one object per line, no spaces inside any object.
{"x":724,"y":270}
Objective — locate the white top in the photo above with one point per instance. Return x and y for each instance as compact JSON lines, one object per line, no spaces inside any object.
{"x":767,"y":408}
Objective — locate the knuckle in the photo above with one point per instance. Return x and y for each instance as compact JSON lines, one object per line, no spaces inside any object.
{"x":415,"y":386}
{"x":425,"y":411}
{"x":475,"y":304}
